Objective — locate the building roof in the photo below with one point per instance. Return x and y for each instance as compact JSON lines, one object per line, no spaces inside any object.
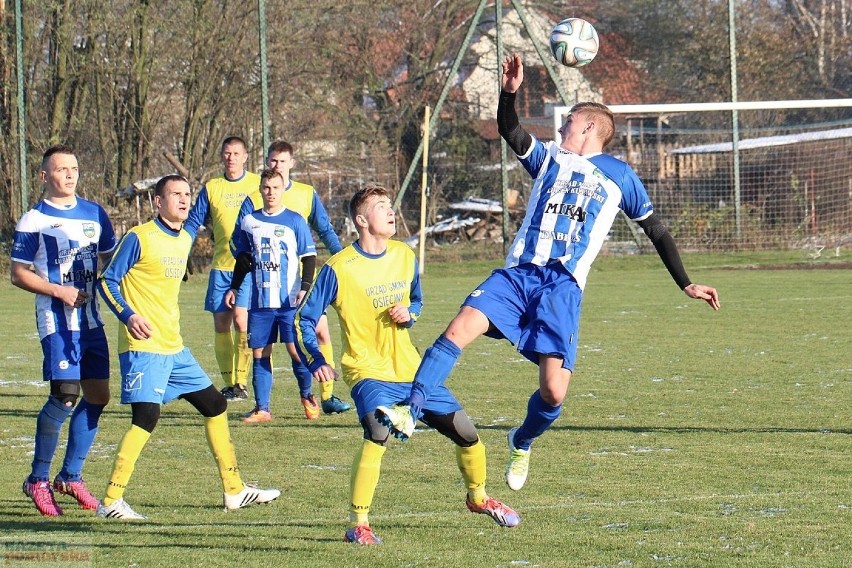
{"x":765,"y":142}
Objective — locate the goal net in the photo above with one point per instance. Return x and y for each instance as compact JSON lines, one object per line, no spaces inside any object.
{"x":794,"y":164}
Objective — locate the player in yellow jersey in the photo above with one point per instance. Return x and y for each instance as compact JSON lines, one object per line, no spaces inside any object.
{"x":374,"y":286}
{"x":219,"y":201}
{"x":141,"y":285}
{"x":303,"y":199}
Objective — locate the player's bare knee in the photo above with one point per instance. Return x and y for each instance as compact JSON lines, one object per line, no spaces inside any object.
{"x":323,"y":335}
{"x":66,"y":392}
{"x":551,"y":396}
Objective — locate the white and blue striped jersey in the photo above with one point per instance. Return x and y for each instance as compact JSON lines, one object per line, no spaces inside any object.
{"x":277,"y":244}
{"x":62,"y":244}
{"x":572,"y":206}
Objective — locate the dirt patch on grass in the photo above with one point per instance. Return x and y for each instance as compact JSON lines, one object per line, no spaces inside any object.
{"x":794,"y":266}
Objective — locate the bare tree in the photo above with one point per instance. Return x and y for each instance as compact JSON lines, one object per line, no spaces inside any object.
{"x":823,"y":26}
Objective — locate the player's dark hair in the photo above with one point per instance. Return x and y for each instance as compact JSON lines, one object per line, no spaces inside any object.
{"x":56,"y":149}
{"x":279,"y":147}
{"x":362,"y":195}
{"x":269,"y":173}
{"x":605,"y":121}
{"x":160,"y":188}
{"x":234,"y":140}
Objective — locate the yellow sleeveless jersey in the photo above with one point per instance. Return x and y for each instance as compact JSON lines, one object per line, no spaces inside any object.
{"x":220,"y":200}
{"x":144,"y":276}
{"x":299,"y":197}
{"x":361,"y":287}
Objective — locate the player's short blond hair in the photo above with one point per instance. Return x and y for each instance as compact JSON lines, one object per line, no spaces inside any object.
{"x":356,"y":203}
{"x":601,"y":116}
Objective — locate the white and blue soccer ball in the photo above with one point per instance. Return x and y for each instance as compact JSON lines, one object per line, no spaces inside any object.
{"x":574,"y":42}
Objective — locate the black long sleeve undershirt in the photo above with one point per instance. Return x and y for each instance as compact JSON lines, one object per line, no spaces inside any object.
{"x":666,"y":248}
{"x":309,"y":266}
{"x":245,"y":264}
{"x":509,"y":126}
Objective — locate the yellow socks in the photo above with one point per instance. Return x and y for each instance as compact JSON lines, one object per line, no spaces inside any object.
{"x":363,"y":481}
{"x":242,"y":358}
{"x":327,"y":388}
{"x":223,"y":347}
{"x":219,"y":440}
{"x":125,"y":462}
{"x":472,"y":465}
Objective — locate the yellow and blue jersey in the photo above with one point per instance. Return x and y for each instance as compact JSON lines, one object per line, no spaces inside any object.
{"x":361,"y":287}
{"x":220,"y":200}
{"x":303,"y":199}
{"x":144,"y":277}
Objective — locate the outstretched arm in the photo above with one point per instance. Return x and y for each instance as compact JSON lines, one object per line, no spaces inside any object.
{"x":667,"y":249}
{"x":508,"y":125}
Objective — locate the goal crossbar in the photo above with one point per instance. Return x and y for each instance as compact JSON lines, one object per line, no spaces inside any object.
{"x":561,"y":111}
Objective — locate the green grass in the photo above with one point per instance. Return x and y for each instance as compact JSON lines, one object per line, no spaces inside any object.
{"x":689,"y":438}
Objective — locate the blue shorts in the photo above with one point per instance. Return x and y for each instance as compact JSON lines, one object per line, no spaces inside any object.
{"x":152,"y":377}
{"x":537,"y":308}
{"x":218,"y":283}
{"x":75,"y":355}
{"x":266,"y":325}
{"x":369,"y":394}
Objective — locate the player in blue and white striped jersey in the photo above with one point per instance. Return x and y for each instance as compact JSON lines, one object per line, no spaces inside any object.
{"x":57,"y":247}
{"x":275,"y":244}
{"x":534,"y":301}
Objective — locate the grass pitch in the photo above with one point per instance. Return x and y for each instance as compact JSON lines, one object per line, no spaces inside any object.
{"x":688,"y":438}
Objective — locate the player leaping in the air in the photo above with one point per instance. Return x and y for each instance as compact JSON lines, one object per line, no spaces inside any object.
{"x":534,"y":301}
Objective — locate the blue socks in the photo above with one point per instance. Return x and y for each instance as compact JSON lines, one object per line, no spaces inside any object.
{"x":540,"y":416}
{"x":81,"y":436}
{"x":436,"y":366}
{"x":262,"y":382}
{"x":48,"y":425}
{"x":304,"y":378}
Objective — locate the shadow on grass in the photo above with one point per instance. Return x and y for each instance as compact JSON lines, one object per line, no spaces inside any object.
{"x":226,"y":536}
{"x":684,"y":429}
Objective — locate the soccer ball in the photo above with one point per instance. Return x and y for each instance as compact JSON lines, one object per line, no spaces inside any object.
{"x":574,"y":42}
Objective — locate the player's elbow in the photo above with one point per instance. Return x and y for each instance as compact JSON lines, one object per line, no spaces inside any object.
{"x":16,"y":275}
